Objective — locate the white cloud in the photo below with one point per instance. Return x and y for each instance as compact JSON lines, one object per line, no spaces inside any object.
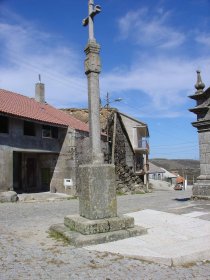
{"x":147,"y":30}
{"x":163,"y":78}
{"x":203,"y":38}
{"x":166,"y":81}
{"x":26,"y":52}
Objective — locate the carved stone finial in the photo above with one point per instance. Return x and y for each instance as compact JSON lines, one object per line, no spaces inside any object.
{"x":199,"y":84}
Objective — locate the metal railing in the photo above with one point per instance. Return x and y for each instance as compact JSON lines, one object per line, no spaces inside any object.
{"x":143,"y":144}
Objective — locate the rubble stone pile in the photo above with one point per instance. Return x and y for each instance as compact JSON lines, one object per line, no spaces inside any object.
{"x":127,"y":182}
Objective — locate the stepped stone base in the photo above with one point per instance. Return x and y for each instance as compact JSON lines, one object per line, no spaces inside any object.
{"x":201,"y":189}
{"x":79,"y":231}
{"x":98,"y":221}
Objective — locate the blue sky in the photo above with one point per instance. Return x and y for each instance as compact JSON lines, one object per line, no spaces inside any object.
{"x":150,"y":51}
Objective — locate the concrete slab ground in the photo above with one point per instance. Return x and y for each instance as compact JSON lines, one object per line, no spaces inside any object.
{"x":172,"y":239}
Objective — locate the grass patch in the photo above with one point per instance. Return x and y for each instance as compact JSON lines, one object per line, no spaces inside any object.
{"x":206,"y":261}
{"x":188,"y":265}
{"x":139,"y":192}
{"x":72,"y":197}
{"x":120,"y":193}
{"x":58,"y":237}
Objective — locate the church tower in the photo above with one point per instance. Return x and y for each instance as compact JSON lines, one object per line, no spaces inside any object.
{"x":201,"y":188}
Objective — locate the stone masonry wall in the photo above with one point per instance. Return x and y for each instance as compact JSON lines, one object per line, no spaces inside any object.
{"x":204,"y":145}
{"x":126,"y":179}
{"x":65,"y":167}
{"x":6,"y":165}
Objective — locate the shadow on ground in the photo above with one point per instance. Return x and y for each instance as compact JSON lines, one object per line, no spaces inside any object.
{"x":182,"y":199}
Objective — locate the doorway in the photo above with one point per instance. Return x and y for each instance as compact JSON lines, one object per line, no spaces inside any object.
{"x":25,"y":175}
{"x":31,"y":174}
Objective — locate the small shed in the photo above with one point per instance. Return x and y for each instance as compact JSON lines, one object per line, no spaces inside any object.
{"x":155,"y":172}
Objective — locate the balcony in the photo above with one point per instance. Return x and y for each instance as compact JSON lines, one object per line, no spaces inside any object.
{"x":143,"y":146}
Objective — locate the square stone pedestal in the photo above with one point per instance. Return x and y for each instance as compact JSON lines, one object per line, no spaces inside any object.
{"x":201,"y":189}
{"x":98,"y":221}
{"x":97,"y":191}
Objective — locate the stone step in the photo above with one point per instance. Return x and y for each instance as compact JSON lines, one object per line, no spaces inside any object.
{"x":87,"y":226}
{"x":78,"y":239}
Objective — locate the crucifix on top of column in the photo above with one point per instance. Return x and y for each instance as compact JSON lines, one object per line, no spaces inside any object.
{"x":93,"y":10}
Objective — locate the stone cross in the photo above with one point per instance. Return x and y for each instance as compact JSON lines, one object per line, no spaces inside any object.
{"x":97,"y":221}
{"x":92,"y":70}
{"x":93,"y":10}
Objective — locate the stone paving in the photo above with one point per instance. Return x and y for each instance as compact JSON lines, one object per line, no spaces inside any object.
{"x":171,"y":239}
{"x":27,"y":252}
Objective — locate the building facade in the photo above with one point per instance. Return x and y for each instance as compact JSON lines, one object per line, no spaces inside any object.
{"x":126,"y":142}
{"x":40,"y":146}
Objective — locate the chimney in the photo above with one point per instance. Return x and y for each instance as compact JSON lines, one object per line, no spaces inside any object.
{"x":39,"y":91}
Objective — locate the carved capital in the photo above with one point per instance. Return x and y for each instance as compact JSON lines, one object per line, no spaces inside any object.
{"x":92,"y":61}
{"x":92,"y":47}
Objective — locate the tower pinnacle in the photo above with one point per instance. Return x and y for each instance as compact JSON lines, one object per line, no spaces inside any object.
{"x":199,"y":84}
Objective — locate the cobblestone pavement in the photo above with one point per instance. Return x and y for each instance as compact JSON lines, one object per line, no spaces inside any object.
{"x":27,"y":251}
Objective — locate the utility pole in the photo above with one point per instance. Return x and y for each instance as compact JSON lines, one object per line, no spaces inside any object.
{"x":107,"y":100}
{"x":107,"y":125}
{"x":107,"y":106}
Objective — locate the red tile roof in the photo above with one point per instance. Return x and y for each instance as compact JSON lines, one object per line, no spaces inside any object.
{"x":18,"y":105}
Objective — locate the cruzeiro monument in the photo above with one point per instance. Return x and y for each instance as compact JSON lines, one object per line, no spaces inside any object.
{"x":201,"y":189}
{"x":98,"y":221}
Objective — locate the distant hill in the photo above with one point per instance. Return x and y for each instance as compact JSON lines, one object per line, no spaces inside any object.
{"x":184,"y":167}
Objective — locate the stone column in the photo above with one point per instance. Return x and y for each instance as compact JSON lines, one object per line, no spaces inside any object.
{"x":201,"y":189}
{"x":92,"y":70}
{"x":97,"y":197}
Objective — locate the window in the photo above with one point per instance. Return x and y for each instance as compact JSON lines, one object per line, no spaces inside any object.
{"x":54,"y":132}
{"x":46,"y":131}
{"x":4,"y":124}
{"x":29,"y":128}
{"x":49,"y":131}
